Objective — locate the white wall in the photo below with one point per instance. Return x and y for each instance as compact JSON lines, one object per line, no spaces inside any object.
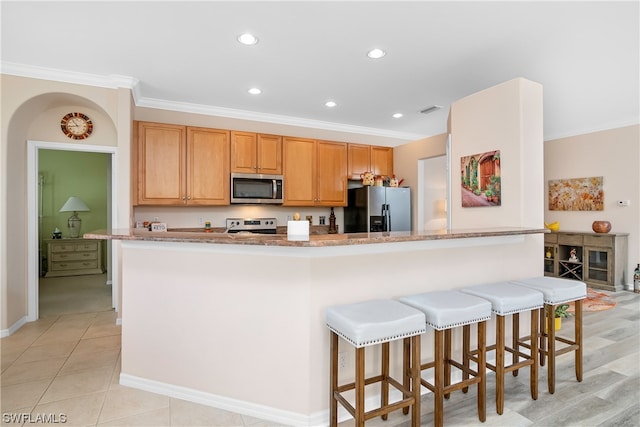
{"x":613,"y":154}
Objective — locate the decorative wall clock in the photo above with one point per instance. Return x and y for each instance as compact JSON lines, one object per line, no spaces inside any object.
{"x":76,"y":126}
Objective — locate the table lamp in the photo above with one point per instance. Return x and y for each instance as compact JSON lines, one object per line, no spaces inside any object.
{"x":75,"y":205}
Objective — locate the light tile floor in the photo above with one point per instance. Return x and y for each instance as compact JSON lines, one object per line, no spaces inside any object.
{"x":70,"y":365}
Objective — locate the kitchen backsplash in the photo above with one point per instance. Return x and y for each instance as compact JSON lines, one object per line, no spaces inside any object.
{"x":194,"y":217}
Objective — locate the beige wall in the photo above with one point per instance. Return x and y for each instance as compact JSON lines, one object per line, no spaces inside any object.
{"x":613,"y":154}
{"x":31,"y":110}
{"x":506,"y":117}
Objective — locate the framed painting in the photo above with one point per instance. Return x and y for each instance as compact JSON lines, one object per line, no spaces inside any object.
{"x":576,"y":194}
{"x":480,"y":179}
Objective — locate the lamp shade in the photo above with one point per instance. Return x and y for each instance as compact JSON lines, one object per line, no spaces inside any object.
{"x":74,"y":204}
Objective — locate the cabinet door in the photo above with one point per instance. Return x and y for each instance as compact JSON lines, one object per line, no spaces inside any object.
{"x":243,"y":152}
{"x":331,"y":174}
{"x":382,"y":161}
{"x":359,"y":160}
{"x":161,"y":163}
{"x":269,"y":154}
{"x":550,"y":259}
{"x":299,"y":171}
{"x":207,"y":166}
{"x":599,"y":265}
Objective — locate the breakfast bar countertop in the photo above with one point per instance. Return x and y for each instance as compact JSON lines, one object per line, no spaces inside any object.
{"x":315,"y":240}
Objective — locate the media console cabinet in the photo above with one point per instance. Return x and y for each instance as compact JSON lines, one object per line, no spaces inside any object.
{"x":600,"y":259}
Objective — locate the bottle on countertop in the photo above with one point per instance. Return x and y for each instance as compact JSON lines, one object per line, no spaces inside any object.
{"x":636,"y":280}
{"x":332,"y":223}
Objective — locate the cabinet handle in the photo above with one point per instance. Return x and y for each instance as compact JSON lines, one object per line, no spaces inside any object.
{"x":188,"y":197}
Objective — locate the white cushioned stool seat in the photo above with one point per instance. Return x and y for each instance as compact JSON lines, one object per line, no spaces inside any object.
{"x":555,"y":290}
{"x":449,"y":309}
{"x":374,"y":322}
{"x":506,"y":298}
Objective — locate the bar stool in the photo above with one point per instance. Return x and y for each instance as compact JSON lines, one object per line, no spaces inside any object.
{"x":507,"y":299}
{"x":366,"y":324}
{"x":445,"y":310}
{"x":558,"y":291}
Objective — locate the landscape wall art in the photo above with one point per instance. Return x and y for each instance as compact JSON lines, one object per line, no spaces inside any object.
{"x":480,"y":179}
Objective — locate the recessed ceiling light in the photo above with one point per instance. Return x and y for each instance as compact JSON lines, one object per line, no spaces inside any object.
{"x":255,"y":91}
{"x":330,"y":104}
{"x":376,"y":53}
{"x":248,"y":39}
{"x":397,"y":115}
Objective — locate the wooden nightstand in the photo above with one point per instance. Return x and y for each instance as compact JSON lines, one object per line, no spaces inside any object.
{"x":73,"y":257}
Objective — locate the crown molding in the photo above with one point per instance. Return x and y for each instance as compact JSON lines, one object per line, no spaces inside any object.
{"x":211,"y":110}
{"x":128,"y":82}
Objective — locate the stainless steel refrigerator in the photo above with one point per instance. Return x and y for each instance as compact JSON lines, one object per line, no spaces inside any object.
{"x":373,"y":208}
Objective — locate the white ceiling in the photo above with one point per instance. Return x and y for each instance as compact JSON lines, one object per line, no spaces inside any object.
{"x":184,"y":56}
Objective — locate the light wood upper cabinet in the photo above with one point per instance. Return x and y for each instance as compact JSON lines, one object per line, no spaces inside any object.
{"x":160,"y":160}
{"x":359,"y":160}
{"x":256,"y":153}
{"x":179,"y":165}
{"x":207,"y":167}
{"x":331,"y":173}
{"x":382,"y":160}
{"x":370,"y":158}
{"x":269,"y":154}
{"x":315,"y":172}
{"x":299,"y":171}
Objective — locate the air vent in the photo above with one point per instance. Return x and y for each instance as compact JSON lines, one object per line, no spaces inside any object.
{"x":431,"y":109}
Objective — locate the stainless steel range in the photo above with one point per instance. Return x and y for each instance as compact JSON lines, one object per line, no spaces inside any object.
{"x":252,"y":225}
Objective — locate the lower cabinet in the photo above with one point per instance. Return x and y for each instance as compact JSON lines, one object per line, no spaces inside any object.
{"x":600,"y":260}
{"x":73,"y":257}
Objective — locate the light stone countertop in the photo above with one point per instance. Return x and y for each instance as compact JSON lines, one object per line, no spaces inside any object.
{"x":315,"y":240}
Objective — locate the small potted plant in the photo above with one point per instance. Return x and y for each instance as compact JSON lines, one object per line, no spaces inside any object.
{"x":561,"y":312}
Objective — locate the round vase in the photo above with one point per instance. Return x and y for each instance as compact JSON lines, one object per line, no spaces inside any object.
{"x":601,"y":226}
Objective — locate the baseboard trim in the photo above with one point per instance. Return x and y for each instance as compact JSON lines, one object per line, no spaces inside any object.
{"x":13,"y":328}
{"x":238,"y":406}
{"x":320,"y":418}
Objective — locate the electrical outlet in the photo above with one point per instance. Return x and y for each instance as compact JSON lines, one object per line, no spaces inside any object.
{"x":342,"y":359}
{"x":200,"y":220}
{"x":156,"y":219}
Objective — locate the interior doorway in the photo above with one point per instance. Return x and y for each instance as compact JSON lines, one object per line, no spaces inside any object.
{"x":72,"y":270}
{"x":35,"y":223}
{"x":432,"y":200}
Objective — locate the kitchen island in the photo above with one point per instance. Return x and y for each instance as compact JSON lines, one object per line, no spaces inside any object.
{"x":237,"y":321}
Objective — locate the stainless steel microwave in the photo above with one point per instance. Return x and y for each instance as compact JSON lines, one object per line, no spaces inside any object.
{"x":256,"y":188}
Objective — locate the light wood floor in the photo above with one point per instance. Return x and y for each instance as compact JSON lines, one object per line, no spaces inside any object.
{"x":70,"y":364}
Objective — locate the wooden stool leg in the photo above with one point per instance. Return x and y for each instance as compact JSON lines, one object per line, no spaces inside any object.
{"x":533,"y":373}
{"x":500,"y":364}
{"x":447,"y":360}
{"x":359,"y":383}
{"x":333,"y":367}
{"x":578,"y":339}
{"x":415,"y":380}
{"x":438,"y":398}
{"x":515,"y":329}
{"x":542,"y":347}
{"x":551,"y":349}
{"x":466,"y":349}
{"x":407,"y":366}
{"x":482,"y":371}
{"x":384,"y":384}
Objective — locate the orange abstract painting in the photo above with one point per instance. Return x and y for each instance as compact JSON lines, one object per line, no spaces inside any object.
{"x":576,"y":194}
